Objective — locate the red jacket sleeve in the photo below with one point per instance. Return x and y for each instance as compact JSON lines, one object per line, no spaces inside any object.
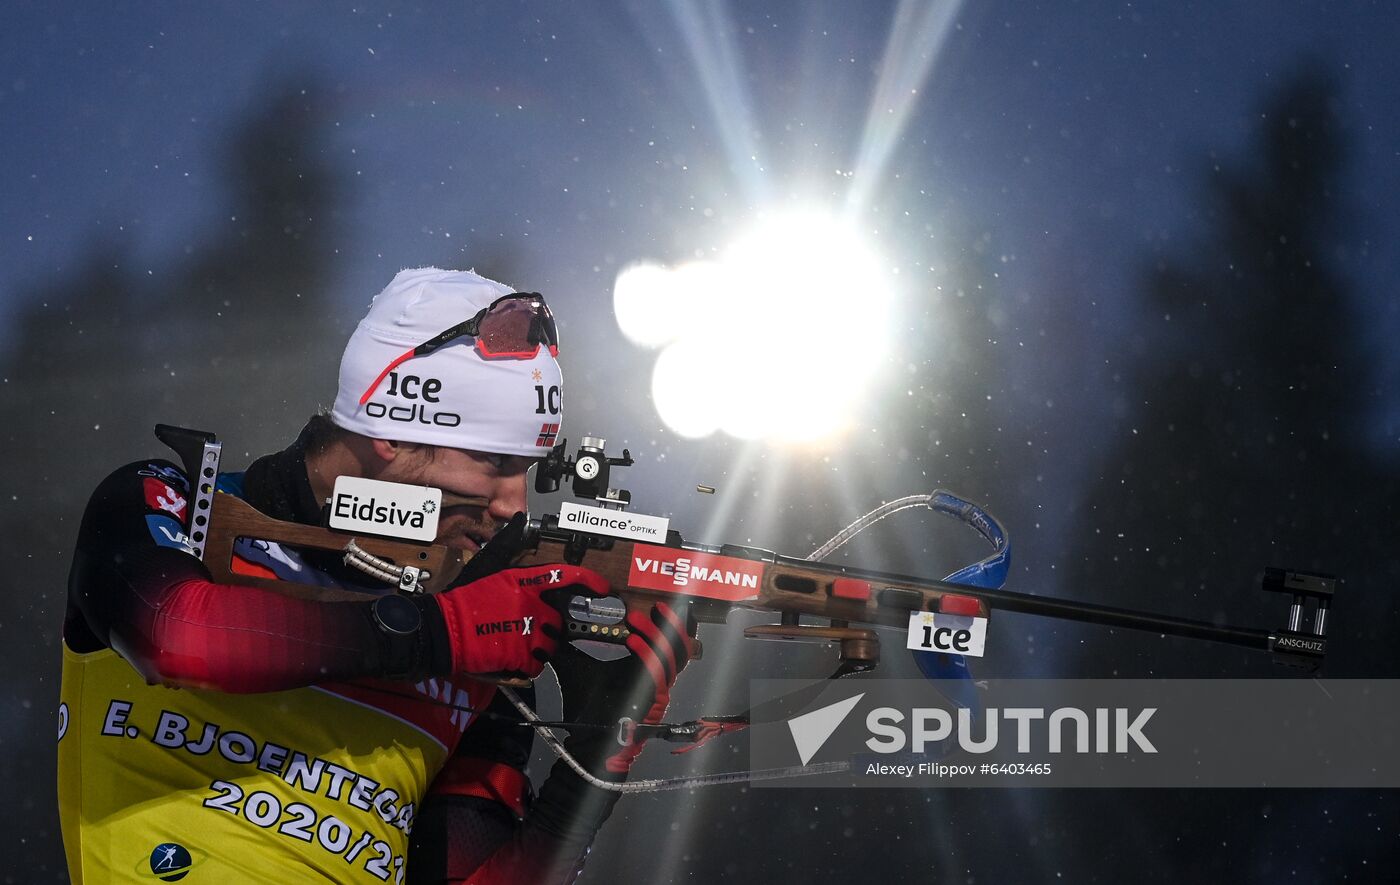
{"x":134,"y":587}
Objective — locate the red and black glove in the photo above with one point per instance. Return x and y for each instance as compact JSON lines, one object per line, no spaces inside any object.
{"x":496,"y":620}
{"x":565,"y":817}
{"x":637,"y":687}
{"x":508,"y":623}
{"x":661,"y":641}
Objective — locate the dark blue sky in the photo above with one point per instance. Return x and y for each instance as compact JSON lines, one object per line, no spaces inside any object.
{"x":1070,"y":137}
{"x":580,"y":134}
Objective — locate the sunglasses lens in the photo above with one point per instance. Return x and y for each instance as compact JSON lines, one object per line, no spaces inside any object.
{"x":516,"y":327}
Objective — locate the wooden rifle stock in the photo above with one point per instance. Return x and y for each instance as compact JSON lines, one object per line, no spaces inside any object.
{"x":233,"y":518}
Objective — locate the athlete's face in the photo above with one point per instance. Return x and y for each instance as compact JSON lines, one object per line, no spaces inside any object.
{"x":462,"y":473}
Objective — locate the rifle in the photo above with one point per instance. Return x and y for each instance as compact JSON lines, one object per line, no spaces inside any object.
{"x":645,"y":561}
{"x":842,"y":595}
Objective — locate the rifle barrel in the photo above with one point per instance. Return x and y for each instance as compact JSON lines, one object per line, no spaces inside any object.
{"x":1117,"y":617}
{"x":1051,"y":607}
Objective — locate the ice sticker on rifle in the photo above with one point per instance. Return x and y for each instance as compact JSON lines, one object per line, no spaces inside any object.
{"x":393,"y":509}
{"x":954,"y":634}
{"x":694,"y":574}
{"x":618,"y":523}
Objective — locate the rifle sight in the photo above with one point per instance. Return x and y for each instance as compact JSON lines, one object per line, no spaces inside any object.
{"x":587,"y":471}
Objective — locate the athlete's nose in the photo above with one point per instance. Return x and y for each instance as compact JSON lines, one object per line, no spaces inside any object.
{"x":508,"y":498}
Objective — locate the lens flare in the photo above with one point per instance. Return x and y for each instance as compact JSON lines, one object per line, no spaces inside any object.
{"x":776,"y":339}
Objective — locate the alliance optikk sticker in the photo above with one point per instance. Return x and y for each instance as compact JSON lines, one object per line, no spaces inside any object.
{"x":392,"y":509}
{"x":618,"y":523}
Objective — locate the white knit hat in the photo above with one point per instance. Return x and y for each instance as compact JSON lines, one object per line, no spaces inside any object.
{"x":451,"y":397}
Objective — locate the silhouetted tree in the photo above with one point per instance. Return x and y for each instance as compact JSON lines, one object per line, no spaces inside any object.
{"x":237,"y":338}
{"x":1244,"y":443}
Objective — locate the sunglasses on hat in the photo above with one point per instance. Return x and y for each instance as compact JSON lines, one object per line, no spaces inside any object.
{"x":513,"y":327}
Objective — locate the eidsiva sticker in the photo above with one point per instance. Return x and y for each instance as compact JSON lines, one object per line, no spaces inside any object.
{"x":952,"y":634}
{"x":393,"y":509}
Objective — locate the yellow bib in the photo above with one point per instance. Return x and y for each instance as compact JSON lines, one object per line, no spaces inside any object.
{"x":165,"y":784}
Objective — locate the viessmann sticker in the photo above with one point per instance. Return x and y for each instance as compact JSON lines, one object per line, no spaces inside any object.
{"x":394,"y":509}
{"x":694,"y":574}
{"x":617,"y":523}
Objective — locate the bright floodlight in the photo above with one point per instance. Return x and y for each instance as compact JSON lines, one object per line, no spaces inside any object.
{"x":777,"y":338}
